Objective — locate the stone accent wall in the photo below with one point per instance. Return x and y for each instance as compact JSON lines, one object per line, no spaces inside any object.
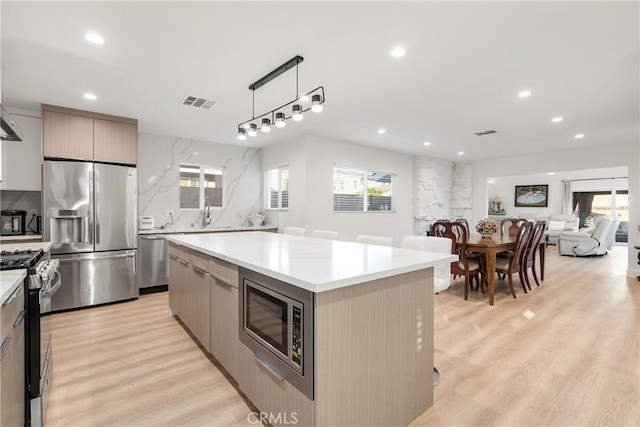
{"x":432,"y":191}
{"x":461,"y":198}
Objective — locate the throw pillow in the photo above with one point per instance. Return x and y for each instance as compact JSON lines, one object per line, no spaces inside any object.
{"x":556,"y":225}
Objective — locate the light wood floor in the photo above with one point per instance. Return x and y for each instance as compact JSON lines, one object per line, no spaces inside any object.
{"x":566,"y":354}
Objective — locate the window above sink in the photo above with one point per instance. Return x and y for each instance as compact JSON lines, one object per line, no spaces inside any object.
{"x":200,"y":181}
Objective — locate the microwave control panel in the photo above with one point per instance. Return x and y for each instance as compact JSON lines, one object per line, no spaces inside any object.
{"x":296,"y":337}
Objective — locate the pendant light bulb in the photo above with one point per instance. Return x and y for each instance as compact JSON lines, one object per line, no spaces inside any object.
{"x":280,"y":120}
{"x":316,"y":106}
{"x":252,"y":130}
{"x":242,"y":134}
{"x":297,"y":113}
{"x":266,"y":125}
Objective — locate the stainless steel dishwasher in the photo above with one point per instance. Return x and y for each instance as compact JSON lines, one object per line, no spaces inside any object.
{"x":153,"y":266}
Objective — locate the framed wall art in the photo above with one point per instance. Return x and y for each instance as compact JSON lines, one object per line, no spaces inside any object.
{"x":532,"y":196}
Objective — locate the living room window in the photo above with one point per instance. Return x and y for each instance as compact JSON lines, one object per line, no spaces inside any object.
{"x":359,"y":190}
{"x":277,"y":188}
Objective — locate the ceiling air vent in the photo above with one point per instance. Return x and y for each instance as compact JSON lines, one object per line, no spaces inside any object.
{"x":194,"y":101}
{"x":485,"y":132}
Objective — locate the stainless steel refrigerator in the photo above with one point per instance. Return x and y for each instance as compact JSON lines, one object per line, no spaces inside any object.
{"x":90,"y":216}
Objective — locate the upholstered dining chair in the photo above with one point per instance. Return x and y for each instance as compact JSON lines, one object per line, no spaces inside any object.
{"x":441,"y":274}
{"x":374,"y":240}
{"x":476,"y":256}
{"x":513,"y":262}
{"x":469,"y":268}
{"x":295,"y":231}
{"x":529,"y":257}
{"x":325,"y":234}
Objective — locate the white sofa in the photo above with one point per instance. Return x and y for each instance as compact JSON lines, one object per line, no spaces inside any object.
{"x":595,"y":240}
{"x":559,"y":223}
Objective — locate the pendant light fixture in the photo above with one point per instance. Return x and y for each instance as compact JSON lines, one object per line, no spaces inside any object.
{"x":280,"y":123}
{"x":252,"y":129}
{"x":296,"y":114}
{"x":278,"y":116}
{"x":266,"y":125}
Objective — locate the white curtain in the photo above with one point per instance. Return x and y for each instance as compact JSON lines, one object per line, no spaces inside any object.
{"x":567,"y":207}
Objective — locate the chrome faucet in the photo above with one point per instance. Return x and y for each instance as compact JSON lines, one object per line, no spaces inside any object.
{"x":205,"y":213}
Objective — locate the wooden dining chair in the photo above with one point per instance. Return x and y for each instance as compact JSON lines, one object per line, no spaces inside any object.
{"x":532,"y":250}
{"x":513,"y":262}
{"x":510,"y":226}
{"x":469,"y":268}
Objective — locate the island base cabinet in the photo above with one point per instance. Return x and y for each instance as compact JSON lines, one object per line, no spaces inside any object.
{"x":12,"y":363}
{"x":278,"y":402}
{"x":179,"y":273}
{"x":225,"y":325}
{"x":199,"y":318}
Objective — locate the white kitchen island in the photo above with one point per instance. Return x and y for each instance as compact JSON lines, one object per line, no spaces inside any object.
{"x":372,"y":322}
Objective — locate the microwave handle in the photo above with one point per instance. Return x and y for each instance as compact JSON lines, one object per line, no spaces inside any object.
{"x":268,"y":367}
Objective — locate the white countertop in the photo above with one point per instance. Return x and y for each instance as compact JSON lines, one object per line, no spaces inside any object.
{"x":26,"y":245}
{"x":170,"y":230}
{"x":314,"y":264}
{"x":21,"y":237}
{"x":9,"y":281}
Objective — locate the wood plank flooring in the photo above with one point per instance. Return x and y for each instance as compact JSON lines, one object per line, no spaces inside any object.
{"x":566,"y":354}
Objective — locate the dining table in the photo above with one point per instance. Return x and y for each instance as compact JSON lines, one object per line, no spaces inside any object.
{"x":490,"y":247}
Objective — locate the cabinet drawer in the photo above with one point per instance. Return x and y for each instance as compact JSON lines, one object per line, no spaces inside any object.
{"x":224,"y":271}
{"x":11,"y":309}
{"x":179,"y":251}
{"x":200,"y":261}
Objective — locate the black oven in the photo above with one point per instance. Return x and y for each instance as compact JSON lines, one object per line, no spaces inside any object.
{"x":43,"y":280}
{"x":277,"y":324}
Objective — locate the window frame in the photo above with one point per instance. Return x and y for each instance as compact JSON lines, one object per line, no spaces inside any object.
{"x":365,"y":196}
{"x":267,"y":193}
{"x":201,"y":188}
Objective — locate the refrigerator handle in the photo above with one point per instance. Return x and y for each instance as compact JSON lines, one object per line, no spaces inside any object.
{"x":86,"y":225}
{"x":97,"y":232}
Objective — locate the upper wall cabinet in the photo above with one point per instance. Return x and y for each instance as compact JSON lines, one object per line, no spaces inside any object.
{"x":21,"y":160}
{"x":84,"y":135}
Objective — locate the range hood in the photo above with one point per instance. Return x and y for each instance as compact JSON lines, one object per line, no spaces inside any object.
{"x":9,"y":130}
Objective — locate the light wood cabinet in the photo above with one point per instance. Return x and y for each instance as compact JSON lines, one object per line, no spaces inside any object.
{"x":115,"y":142}
{"x":67,"y":136}
{"x":12,"y":364}
{"x":179,"y":277}
{"x":199,"y":313}
{"x":225,"y":324}
{"x":277,"y":397}
{"x":85,"y":135}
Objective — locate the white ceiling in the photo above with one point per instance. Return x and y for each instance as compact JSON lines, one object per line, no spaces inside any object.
{"x":465,"y":64}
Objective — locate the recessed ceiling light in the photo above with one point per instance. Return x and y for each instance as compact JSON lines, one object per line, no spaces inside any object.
{"x":90,"y":96}
{"x":557,"y":119}
{"x":579,"y":136}
{"x":524,"y":94}
{"x":460,"y":153}
{"x":304,"y":98}
{"x":427,"y":143}
{"x":551,"y":173}
{"x":398,"y":52}
{"x":381,"y":131}
{"x":94,"y":38}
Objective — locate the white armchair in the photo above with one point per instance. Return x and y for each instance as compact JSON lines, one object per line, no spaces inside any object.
{"x":588,"y":243}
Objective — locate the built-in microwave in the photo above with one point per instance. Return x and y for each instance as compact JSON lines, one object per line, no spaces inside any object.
{"x":277,"y":325}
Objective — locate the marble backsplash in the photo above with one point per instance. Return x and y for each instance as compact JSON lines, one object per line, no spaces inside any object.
{"x":159,"y":159}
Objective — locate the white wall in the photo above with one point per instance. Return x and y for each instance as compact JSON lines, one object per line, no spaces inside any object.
{"x":569,"y":160}
{"x":311,"y":160}
{"x":159,"y":159}
{"x":504,"y":187}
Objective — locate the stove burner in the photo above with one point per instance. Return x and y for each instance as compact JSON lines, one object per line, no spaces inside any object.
{"x":20,"y":259}
{"x":17,"y":252}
